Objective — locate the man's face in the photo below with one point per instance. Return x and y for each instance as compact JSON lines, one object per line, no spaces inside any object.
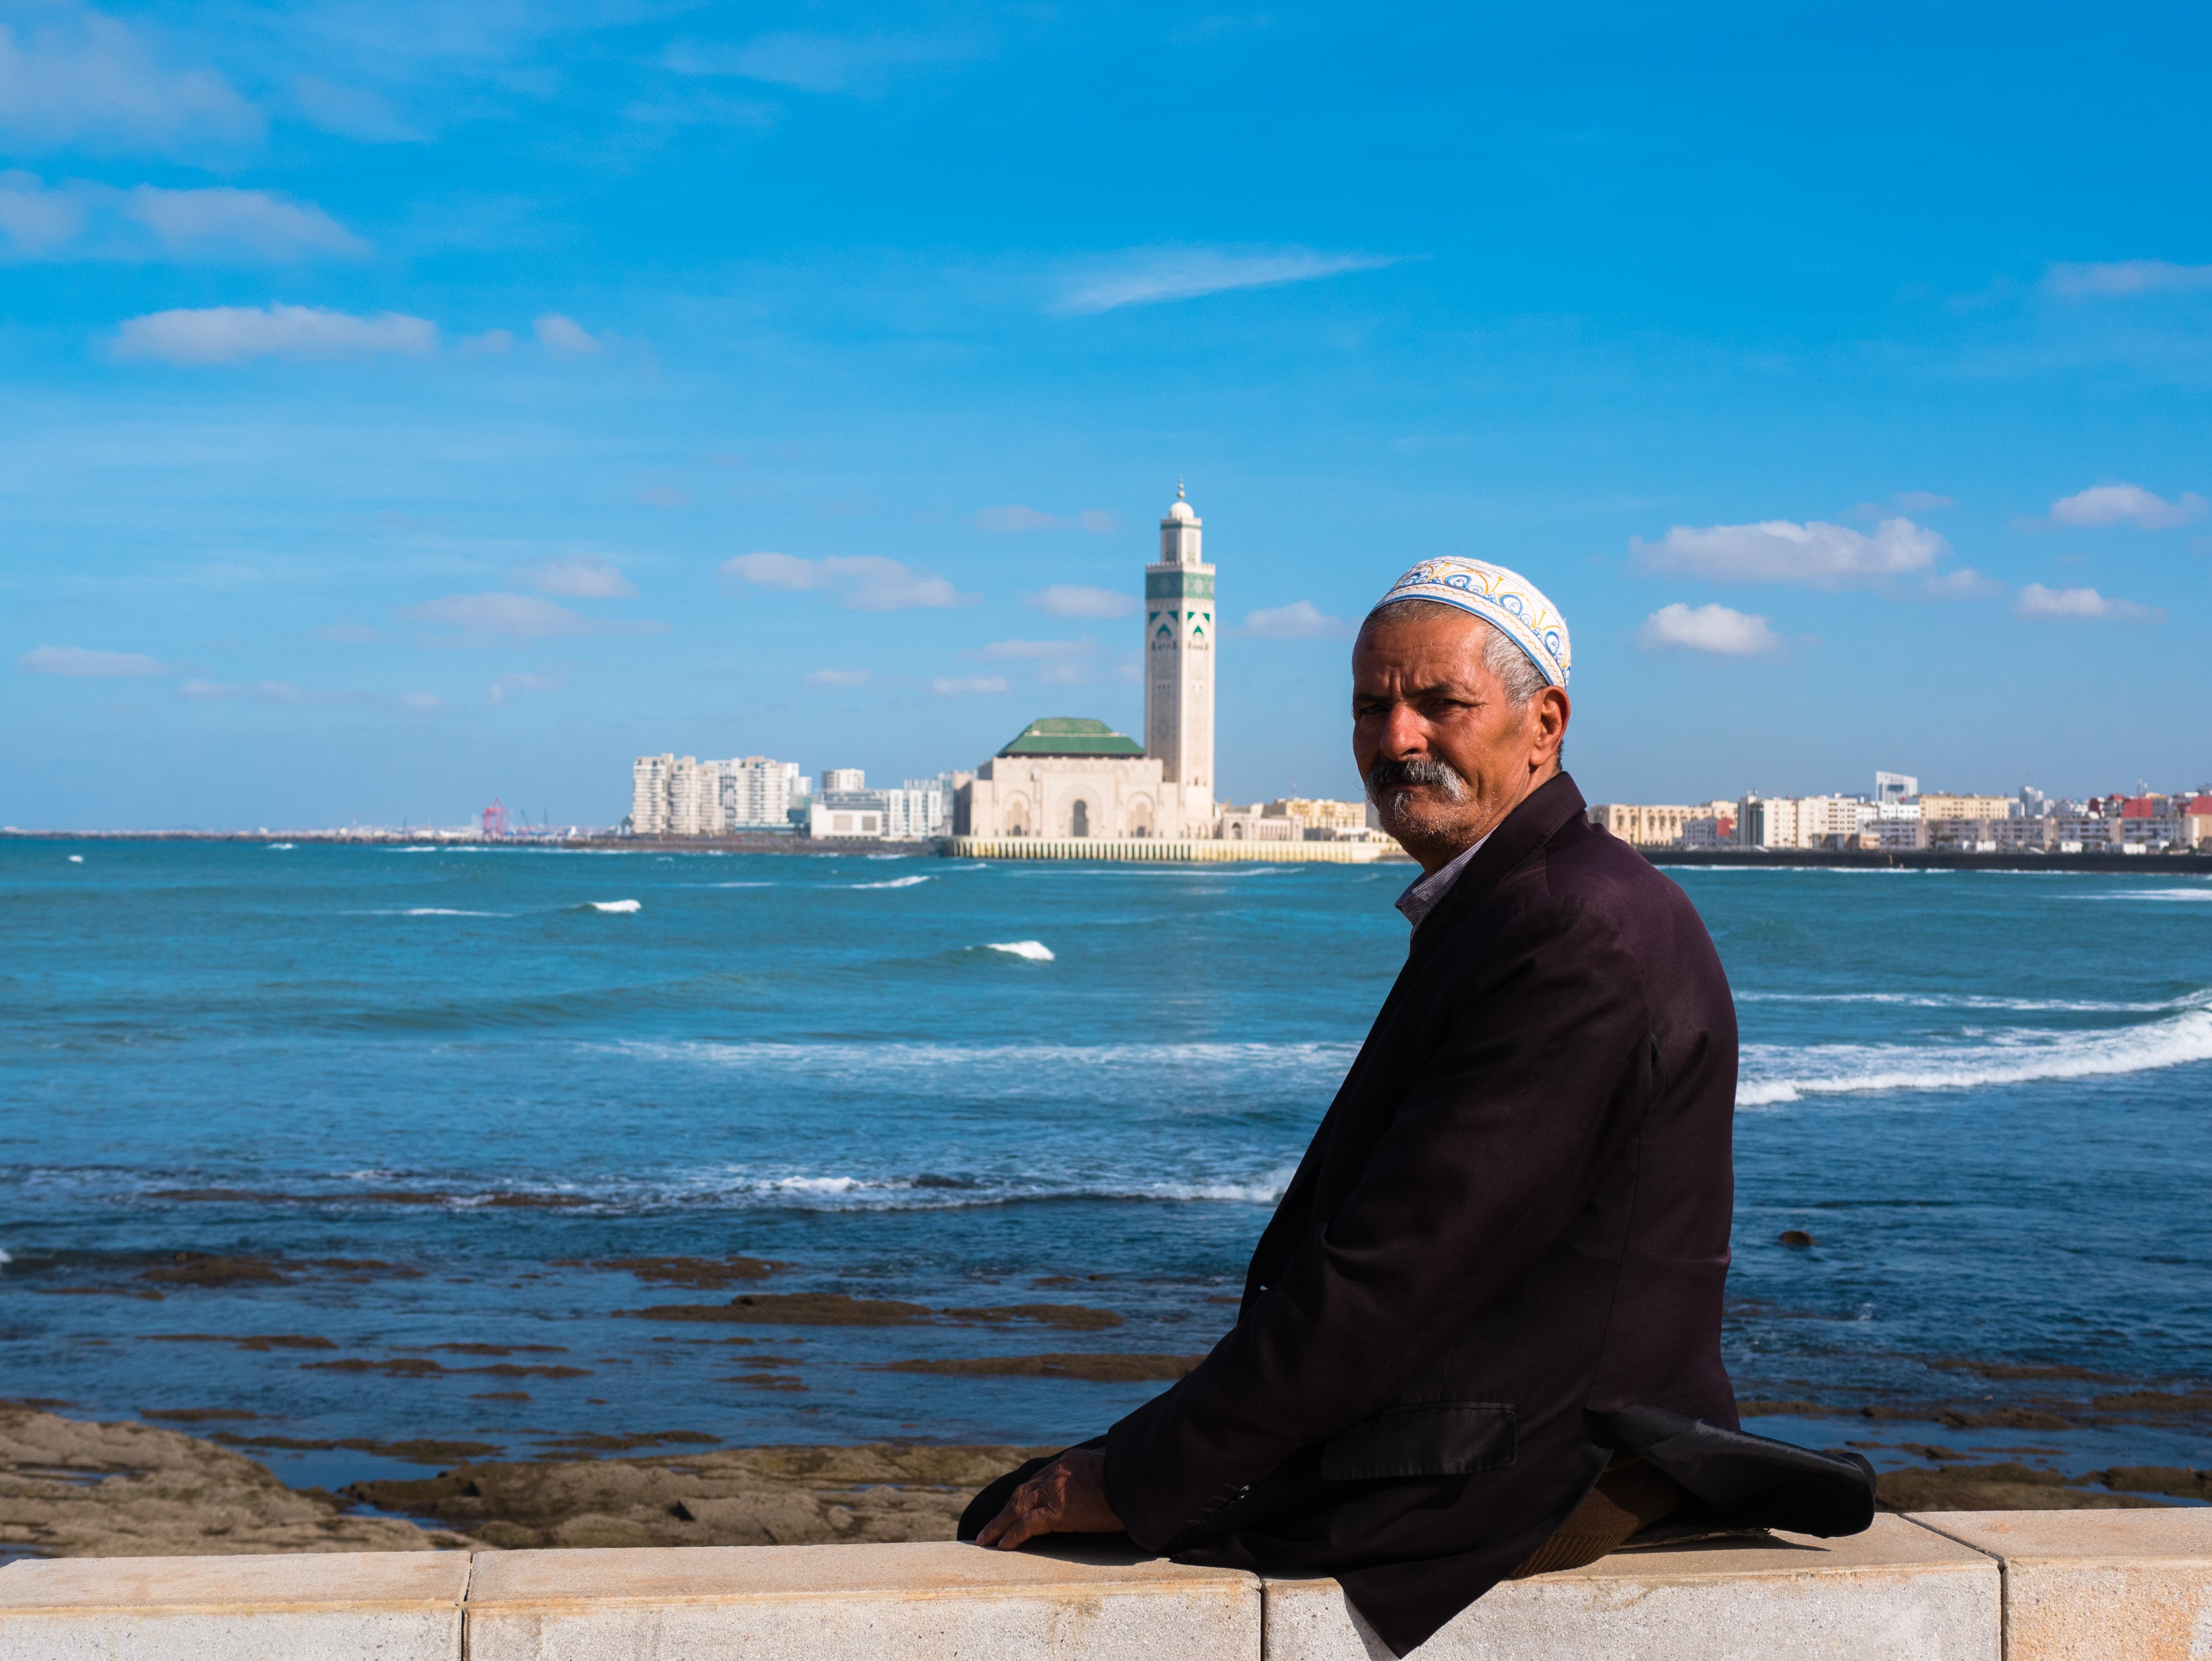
{"x":1445,"y":755}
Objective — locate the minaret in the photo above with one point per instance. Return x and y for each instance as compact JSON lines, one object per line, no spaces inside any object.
{"x":1179,"y":665}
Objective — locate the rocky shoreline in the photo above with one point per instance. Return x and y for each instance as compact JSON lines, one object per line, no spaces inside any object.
{"x":75,"y":1488}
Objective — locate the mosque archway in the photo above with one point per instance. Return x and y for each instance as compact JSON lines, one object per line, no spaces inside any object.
{"x":1078,"y":818}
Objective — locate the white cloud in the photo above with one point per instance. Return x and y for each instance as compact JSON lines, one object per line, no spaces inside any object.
{"x":2127,"y":276}
{"x":84,"y":220}
{"x":85,"y":81}
{"x":866,"y":583}
{"x":2081,"y":603}
{"x":1006,"y":651}
{"x":564,"y":335}
{"x":580,"y":576}
{"x":1006,"y":520}
{"x":504,"y":689}
{"x":207,"y":223}
{"x":279,"y":694}
{"x":1714,"y":629}
{"x":1068,"y":600}
{"x":1778,"y":550}
{"x":491,"y":340}
{"x":230,"y":334}
{"x":1965,"y":583}
{"x":1142,"y":276}
{"x":419,"y":703}
{"x":518,"y":615}
{"x":1923,"y":501}
{"x":813,"y":63}
{"x":2126,"y":504}
{"x":352,"y":112}
{"x":840,"y":677}
{"x":1300,"y":620}
{"x":81,"y":664}
{"x":946,"y":686}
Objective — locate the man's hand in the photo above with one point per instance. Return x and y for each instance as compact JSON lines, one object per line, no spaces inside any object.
{"x":1068,"y":1496}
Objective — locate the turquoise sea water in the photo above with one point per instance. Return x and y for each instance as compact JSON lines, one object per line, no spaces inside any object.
{"x":433,"y":1090}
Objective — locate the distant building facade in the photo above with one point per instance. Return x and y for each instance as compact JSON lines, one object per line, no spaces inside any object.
{"x":674,"y":795}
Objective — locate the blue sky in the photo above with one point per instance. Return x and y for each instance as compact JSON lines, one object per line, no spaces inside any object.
{"x":409,"y":405}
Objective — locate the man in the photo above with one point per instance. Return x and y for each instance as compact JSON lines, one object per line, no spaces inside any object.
{"x":1480,"y":1337}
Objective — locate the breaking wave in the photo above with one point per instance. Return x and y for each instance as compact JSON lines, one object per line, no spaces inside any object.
{"x":623,"y":907}
{"x":1775,"y":1074}
{"x":894,"y":882}
{"x":1035,"y":951}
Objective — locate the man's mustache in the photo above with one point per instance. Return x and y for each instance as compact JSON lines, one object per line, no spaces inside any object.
{"x":1387,"y":775}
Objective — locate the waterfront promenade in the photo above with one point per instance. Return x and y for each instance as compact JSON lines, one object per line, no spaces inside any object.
{"x":1933,"y":1586}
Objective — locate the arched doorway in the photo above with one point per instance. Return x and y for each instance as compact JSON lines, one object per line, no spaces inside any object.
{"x":1079,"y":819}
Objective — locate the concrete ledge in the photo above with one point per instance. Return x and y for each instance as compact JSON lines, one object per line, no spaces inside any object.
{"x":1943,"y":1586}
{"x":317,"y":1606}
{"x":1897,"y":1592}
{"x":2087,"y":1585}
{"x":829,"y":1602}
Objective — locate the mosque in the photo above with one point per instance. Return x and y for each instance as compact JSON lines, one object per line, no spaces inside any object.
{"x":1066,"y":777}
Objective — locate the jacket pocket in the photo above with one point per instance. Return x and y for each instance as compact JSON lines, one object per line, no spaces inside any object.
{"x":1422,"y":1438}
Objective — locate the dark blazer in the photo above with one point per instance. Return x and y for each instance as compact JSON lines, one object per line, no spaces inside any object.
{"x":1501,"y":1258}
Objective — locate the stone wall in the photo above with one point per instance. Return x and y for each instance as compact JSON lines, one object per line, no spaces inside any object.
{"x":1935,"y":1586}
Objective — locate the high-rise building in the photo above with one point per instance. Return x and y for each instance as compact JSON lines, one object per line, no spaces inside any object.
{"x":1179,"y":636}
{"x":1895,"y":787}
{"x":682,"y":796}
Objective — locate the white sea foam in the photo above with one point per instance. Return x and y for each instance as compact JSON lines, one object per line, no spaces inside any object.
{"x":624,"y":906}
{"x":1974,"y":1001}
{"x":894,"y":882}
{"x":2198,"y":894}
{"x":1035,"y":951}
{"x":438,"y":912}
{"x":77,"y":859}
{"x":1776,"y":1073}
{"x":5,"y":1259}
{"x":741,"y":884}
{"x":281,"y":846}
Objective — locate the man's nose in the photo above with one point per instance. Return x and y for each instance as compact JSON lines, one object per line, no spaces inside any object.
{"x":1404,"y":732}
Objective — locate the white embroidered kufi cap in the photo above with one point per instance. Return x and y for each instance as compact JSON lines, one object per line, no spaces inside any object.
{"x":1505,"y":599}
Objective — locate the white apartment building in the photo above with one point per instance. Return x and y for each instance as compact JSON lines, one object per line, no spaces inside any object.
{"x":1665,"y":824}
{"x":1797,"y":821}
{"x":683,"y":796}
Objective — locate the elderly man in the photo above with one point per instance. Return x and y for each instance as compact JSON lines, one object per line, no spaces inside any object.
{"x":1480,"y":1337}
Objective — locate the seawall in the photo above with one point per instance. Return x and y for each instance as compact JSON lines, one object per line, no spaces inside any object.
{"x":1932,"y":1586}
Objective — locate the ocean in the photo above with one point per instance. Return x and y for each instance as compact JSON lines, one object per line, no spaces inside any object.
{"x":311,"y":1145}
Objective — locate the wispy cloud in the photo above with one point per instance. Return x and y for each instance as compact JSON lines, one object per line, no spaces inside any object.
{"x":1715,"y":629}
{"x":232,"y":334}
{"x":483,"y":618}
{"x":1006,"y":520}
{"x":80,"y":221}
{"x":580,"y":576}
{"x":80,"y":663}
{"x":565,"y":336}
{"x":2081,"y":604}
{"x":840,"y":677}
{"x":504,"y":689}
{"x":864,"y":583}
{"x":79,"y":80}
{"x":1300,"y":620}
{"x":946,"y":686}
{"x":1069,"y":600}
{"x":1923,"y":501}
{"x":1060,"y":662}
{"x":283,"y":695}
{"x":352,"y":111}
{"x":2126,"y":277}
{"x":1822,"y":555}
{"x":1144,"y":276}
{"x":2127,"y":504}
{"x":817,"y":63}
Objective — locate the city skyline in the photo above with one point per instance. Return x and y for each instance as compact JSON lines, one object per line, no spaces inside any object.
{"x":410,"y":408}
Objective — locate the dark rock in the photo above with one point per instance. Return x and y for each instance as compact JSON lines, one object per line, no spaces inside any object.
{"x":1075,"y":1317}
{"x":2175,"y":1480}
{"x":701,"y":1273}
{"x":255,"y":1341}
{"x":1992,"y":1488}
{"x":194,"y":1415}
{"x":200,"y":1269}
{"x":1093,"y":1369}
{"x":1797,"y":1237}
{"x":791,"y":1309}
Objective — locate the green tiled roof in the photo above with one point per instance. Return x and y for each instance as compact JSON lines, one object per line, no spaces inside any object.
{"x":1071,"y":735}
